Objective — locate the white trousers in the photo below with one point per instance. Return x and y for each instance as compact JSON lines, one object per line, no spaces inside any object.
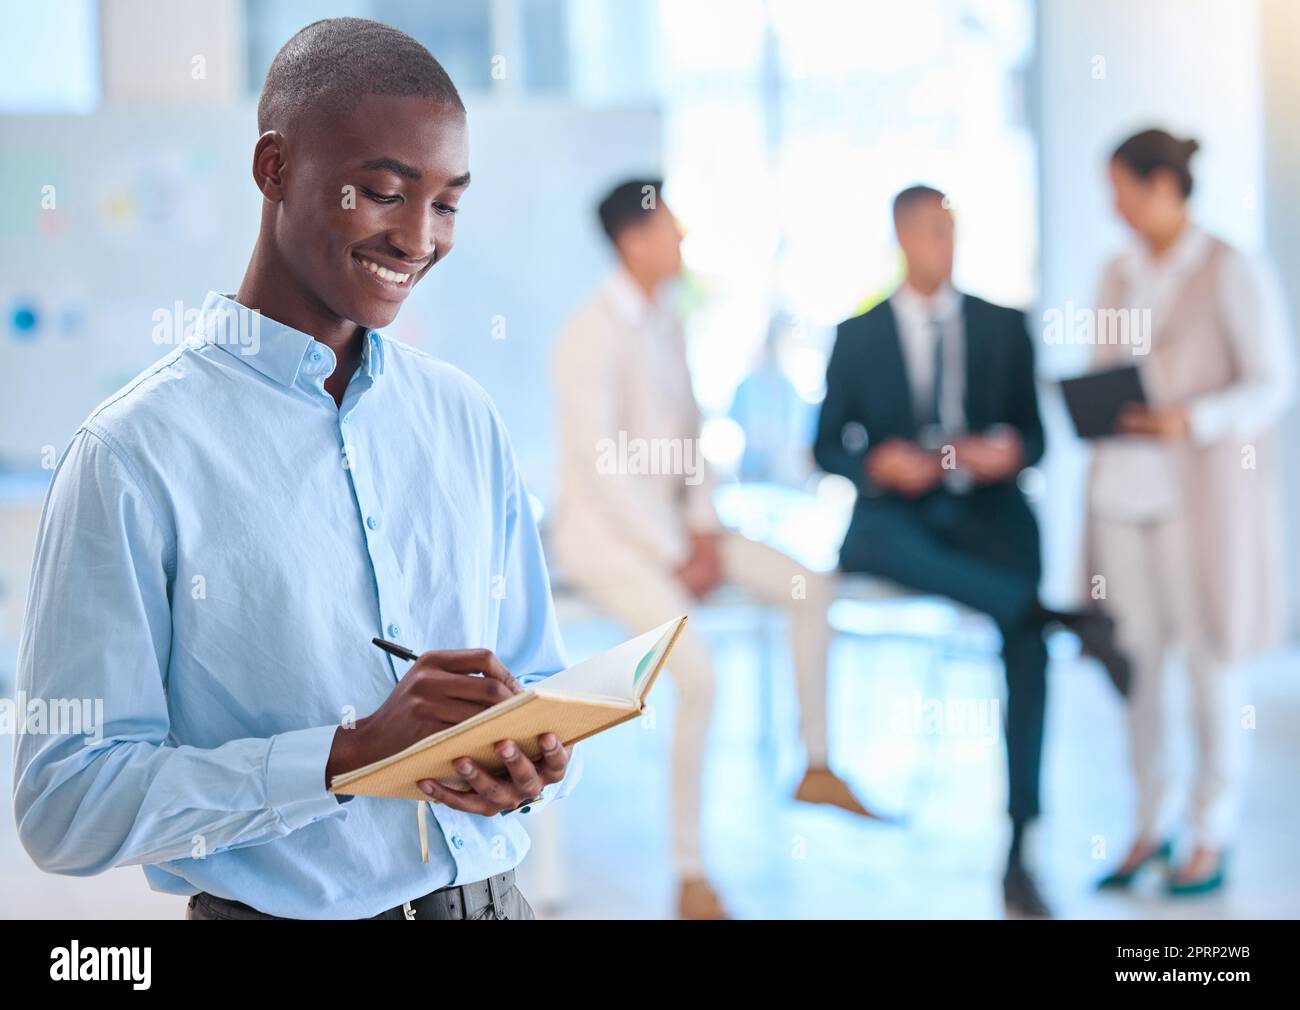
{"x":640,"y":595}
{"x":1150,"y":593}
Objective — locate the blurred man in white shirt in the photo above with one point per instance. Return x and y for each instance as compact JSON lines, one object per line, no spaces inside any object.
{"x":635,"y":527}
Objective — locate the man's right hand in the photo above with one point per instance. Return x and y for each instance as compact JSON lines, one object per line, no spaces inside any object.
{"x":702,"y":572}
{"x":900,"y":466}
{"x":434,"y":694}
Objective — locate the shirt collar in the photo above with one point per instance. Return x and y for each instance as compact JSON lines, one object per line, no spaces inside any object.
{"x":943,"y":304}
{"x":1188,"y":249}
{"x":627,"y":297}
{"x":373,"y":360}
{"x":274,"y":349}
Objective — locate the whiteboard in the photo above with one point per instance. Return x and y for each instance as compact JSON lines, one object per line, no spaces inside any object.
{"x":152,"y":208}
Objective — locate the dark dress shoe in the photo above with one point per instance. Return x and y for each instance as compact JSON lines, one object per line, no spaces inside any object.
{"x":1020,"y":894}
{"x":1096,"y":633}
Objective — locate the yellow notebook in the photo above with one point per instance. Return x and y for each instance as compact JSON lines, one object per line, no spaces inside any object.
{"x":574,"y":704}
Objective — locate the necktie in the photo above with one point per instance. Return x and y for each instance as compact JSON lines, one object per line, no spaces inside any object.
{"x":935,"y":415}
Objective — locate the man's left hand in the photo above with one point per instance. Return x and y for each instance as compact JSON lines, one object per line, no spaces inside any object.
{"x":490,"y":794}
{"x":702,"y":573}
{"x":996,"y":456}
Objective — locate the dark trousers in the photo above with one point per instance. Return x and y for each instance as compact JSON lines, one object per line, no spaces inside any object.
{"x":495,"y":898}
{"x":980,"y":550}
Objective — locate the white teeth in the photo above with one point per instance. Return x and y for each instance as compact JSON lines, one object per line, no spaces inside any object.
{"x":389,"y":275}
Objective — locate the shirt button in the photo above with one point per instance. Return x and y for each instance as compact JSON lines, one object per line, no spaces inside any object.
{"x":394,"y":630}
{"x":457,"y":841}
{"x":317,"y":357}
{"x":372,"y":523}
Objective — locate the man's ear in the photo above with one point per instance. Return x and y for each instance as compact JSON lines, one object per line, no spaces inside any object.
{"x":626,"y":245}
{"x":269,"y":165}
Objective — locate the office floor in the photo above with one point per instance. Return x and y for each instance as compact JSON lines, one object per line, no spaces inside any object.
{"x":603,"y":852}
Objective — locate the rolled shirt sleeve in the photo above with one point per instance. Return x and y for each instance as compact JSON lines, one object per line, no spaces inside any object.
{"x":98,"y":632}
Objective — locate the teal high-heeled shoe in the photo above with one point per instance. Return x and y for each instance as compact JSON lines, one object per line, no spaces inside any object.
{"x":1205,"y":885}
{"x":1119,"y":881}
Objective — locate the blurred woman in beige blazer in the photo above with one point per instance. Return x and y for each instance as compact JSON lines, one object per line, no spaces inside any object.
{"x":1184,"y":528}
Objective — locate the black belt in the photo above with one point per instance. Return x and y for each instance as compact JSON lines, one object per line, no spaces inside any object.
{"x":481,"y":899}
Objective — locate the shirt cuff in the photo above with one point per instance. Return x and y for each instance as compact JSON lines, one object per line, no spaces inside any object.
{"x":295,"y":776}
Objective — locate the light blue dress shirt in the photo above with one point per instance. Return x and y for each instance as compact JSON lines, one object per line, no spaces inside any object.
{"x":219,"y":544}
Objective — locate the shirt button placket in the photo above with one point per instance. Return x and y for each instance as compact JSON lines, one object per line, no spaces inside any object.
{"x":389,"y":601}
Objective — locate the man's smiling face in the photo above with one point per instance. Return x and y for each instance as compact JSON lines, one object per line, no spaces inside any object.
{"x":369,"y":203}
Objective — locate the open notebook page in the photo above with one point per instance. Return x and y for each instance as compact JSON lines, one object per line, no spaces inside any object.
{"x":617,"y":673}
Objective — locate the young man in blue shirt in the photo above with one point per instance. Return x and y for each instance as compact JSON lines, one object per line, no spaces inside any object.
{"x":224,"y":536}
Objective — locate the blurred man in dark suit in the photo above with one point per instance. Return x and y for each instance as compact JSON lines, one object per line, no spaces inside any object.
{"x":931,"y":410}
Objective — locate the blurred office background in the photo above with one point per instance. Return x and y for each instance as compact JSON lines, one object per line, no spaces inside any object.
{"x":782,"y":128}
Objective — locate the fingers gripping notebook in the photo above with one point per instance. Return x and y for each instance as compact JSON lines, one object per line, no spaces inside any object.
{"x":576,"y":703}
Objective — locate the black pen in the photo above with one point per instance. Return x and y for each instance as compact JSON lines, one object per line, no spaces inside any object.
{"x":393,"y":649}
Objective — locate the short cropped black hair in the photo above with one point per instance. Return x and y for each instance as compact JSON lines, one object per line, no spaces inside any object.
{"x":913,"y":195}
{"x":628,"y":204}
{"x":329,"y":65}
